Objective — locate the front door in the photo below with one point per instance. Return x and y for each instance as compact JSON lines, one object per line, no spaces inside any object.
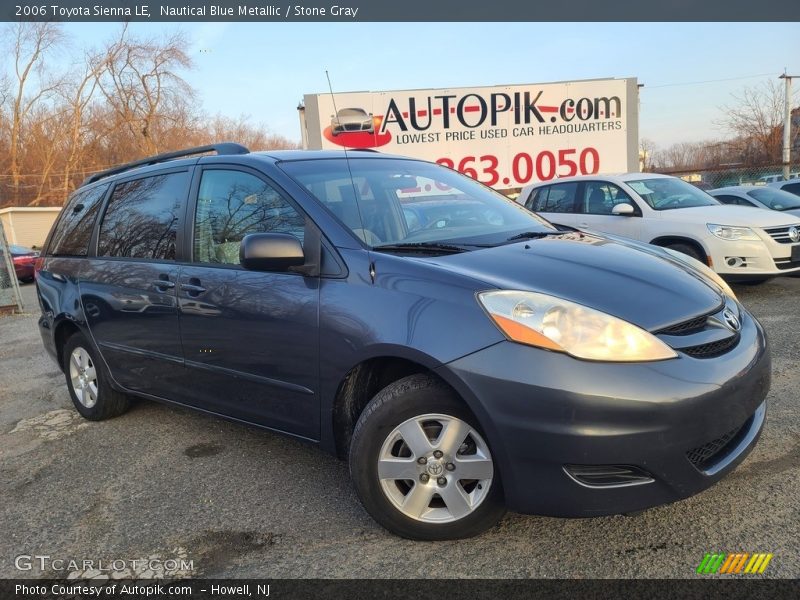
{"x":594,"y":210}
{"x":128,"y":290}
{"x":250,"y":339}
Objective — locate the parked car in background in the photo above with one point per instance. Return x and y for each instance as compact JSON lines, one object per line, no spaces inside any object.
{"x":759,"y":196}
{"x":23,"y":259}
{"x":792,"y":186}
{"x":350,"y":120}
{"x":484,"y":360}
{"x":701,"y":185}
{"x":739,"y":243}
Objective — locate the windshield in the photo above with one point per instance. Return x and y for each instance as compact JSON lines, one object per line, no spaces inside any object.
{"x":666,"y":193}
{"x":775,"y":199}
{"x":395,"y":201}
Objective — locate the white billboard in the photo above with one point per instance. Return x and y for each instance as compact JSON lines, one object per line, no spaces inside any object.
{"x":504,"y":136}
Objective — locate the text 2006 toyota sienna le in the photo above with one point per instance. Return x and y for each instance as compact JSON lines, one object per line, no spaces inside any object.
{"x":464,"y":354}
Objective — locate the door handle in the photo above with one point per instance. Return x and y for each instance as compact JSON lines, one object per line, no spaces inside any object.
{"x":193,"y":288}
{"x":162,"y":285}
{"x":583,"y":224}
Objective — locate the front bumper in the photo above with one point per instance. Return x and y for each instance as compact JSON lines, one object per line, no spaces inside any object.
{"x":752,"y":259}
{"x":543,"y":410}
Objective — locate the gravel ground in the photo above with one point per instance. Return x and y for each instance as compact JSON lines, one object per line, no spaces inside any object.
{"x":167,"y":483}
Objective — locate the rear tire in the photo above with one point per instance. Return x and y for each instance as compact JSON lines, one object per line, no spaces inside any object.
{"x":414,"y":419}
{"x":88,"y":382}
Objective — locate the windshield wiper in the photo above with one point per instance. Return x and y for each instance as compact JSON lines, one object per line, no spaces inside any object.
{"x":421,"y":246}
{"x":532,"y":235}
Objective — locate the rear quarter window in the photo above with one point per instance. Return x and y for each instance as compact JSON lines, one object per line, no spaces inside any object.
{"x":73,"y":230}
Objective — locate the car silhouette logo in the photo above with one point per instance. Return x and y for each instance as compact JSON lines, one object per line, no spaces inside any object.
{"x":731,"y":319}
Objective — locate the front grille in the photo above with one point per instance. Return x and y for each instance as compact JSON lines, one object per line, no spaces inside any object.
{"x":687,"y":327}
{"x":703,"y":456}
{"x":712,"y":349}
{"x":781,"y":234}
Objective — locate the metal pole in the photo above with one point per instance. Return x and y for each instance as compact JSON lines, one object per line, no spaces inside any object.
{"x":787,"y":126}
{"x":10,"y":267}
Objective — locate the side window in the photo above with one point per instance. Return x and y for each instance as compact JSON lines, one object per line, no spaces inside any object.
{"x":726,"y":199}
{"x":560,"y":198}
{"x":793,"y":187}
{"x":74,"y":229}
{"x":534,"y":196}
{"x":231,"y":204}
{"x":141,"y":220}
{"x":600,"y":197}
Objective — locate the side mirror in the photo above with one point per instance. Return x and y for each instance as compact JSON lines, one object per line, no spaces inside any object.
{"x":270,"y":252}
{"x":623,"y":209}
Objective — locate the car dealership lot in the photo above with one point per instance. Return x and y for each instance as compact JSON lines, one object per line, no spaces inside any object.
{"x":235,"y":501}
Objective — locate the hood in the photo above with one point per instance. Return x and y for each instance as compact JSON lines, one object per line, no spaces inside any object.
{"x":743,"y":216}
{"x":644,"y":287}
{"x":792,"y":211}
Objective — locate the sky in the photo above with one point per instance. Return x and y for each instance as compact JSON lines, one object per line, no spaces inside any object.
{"x":689,"y":70}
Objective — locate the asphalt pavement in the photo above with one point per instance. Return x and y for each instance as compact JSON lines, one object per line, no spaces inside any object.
{"x":209,"y":498}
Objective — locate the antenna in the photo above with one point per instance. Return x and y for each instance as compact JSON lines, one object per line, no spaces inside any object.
{"x":363,"y":235}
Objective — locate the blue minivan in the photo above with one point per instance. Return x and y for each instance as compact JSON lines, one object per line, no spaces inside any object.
{"x":463,"y":361}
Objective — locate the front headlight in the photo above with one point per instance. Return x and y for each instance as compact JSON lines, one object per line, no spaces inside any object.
{"x":555,"y":324}
{"x":728,"y":232}
{"x":704,"y":269}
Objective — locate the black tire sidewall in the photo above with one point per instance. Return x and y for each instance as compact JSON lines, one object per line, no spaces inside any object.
{"x":686,"y":249}
{"x":104,"y":390}
{"x":410,"y":397}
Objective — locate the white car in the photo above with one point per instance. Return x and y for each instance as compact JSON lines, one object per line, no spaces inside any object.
{"x":739,"y":243}
{"x":760,"y":196}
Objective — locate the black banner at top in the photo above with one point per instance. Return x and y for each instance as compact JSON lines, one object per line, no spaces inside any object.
{"x":400,"y":11}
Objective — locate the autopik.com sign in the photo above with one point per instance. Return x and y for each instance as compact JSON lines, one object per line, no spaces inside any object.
{"x":503,"y":136}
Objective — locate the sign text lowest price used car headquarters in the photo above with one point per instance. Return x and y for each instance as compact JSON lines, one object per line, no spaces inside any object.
{"x":503,"y":136}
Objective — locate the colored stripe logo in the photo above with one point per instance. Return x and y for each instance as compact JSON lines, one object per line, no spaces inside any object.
{"x":736,"y":563}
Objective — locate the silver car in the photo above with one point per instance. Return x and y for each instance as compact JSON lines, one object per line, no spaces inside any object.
{"x":791,"y":185}
{"x":351,"y":120}
{"x":760,"y":196}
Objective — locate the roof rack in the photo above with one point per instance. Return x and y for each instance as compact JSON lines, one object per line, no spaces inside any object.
{"x":220,"y":149}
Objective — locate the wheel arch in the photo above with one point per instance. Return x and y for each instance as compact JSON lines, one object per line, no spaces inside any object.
{"x":668,"y":240}
{"x":63,"y":330}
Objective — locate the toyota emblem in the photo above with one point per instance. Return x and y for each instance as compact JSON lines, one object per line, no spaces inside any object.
{"x":794,"y":234}
{"x":731,"y":319}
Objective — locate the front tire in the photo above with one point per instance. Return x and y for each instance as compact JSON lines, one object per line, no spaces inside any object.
{"x":421,"y":466}
{"x":88,"y":383}
{"x":688,"y":250}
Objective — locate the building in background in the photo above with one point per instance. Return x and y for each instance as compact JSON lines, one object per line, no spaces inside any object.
{"x":28,"y":225}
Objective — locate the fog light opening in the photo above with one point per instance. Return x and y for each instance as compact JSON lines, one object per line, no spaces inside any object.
{"x":736,"y":262}
{"x":608,"y":476}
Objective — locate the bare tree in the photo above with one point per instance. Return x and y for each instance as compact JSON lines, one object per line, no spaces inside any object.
{"x":31,"y":44}
{"x":120,"y":102}
{"x":756,"y":119}
{"x":647,"y":154}
{"x":141,"y":84}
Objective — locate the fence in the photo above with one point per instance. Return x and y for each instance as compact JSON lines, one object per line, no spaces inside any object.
{"x":10,"y":298}
{"x":733,"y":175}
